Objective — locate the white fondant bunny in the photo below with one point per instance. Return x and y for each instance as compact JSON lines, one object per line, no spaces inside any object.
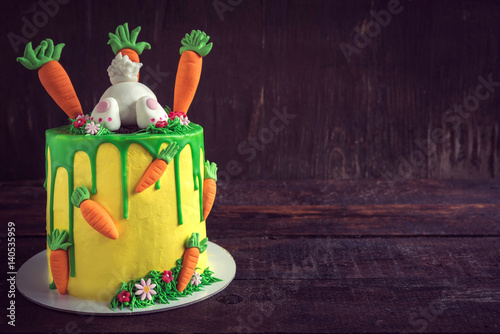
{"x":127,"y":102}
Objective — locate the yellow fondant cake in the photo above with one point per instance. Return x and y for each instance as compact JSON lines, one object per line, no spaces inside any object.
{"x":153,"y":225}
{"x":128,"y":187}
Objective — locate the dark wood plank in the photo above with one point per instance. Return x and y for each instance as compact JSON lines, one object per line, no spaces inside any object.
{"x":324,"y":285}
{"x":358,"y":192}
{"x":361,"y":119}
{"x":373,"y":305}
{"x":295,"y":208}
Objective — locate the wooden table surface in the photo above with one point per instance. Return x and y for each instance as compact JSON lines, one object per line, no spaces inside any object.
{"x":316,"y":256}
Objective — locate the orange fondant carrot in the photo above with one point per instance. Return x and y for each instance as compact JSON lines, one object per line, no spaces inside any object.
{"x":55,"y":80}
{"x":132,"y":55}
{"x":189,"y":71}
{"x":194,"y":248}
{"x":93,"y":213}
{"x":209,"y":188}
{"x":125,"y":42}
{"x":59,"y":265}
{"x":157,"y":167}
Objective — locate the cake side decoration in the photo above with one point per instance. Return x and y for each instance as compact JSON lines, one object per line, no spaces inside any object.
{"x":145,"y":289}
{"x":94,"y":214}
{"x":55,"y":80}
{"x":194,"y":247}
{"x":129,"y":295}
{"x":209,"y":188}
{"x":157,"y":167}
{"x":59,"y":265}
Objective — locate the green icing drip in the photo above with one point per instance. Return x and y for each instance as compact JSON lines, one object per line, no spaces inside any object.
{"x":70,"y":223}
{"x":178,"y":189}
{"x":63,"y":147}
{"x":60,"y":159}
{"x":93,"y":172}
{"x":123,"y":159}
{"x":46,"y":166}
{"x":157,"y":185}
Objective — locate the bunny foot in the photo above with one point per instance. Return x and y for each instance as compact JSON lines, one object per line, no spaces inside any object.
{"x":107,"y":112}
{"x":149,"y":111}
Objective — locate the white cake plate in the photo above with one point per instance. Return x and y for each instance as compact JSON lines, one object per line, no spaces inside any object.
{"x":30,"y":284}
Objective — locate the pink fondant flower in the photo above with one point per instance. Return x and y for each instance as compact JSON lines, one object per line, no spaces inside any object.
{"x":83,"y":117}
{"x":184,"y":120}
{"x":124,"y":296}
{"x":196,"y":279}
{"x":174,"y":114}
{"x":161,"y":124}
{"x":167,"y":276}
{"x":92,"y":128}
{"x":79,"y":122}
{"x":145,"y":289}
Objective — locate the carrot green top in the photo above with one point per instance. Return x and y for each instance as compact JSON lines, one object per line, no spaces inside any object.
{"x":211,"y":170}
{"x":193,"y":241}
{"x":124,"y":39}
{"x":168,"y":153}
{"x":45,"y":52}
{"x":196,"y":42}
{"x":58,"y":240}
{"x":79,"y":195}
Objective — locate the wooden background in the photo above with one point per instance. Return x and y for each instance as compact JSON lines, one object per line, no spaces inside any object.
{"x":366,"y":118}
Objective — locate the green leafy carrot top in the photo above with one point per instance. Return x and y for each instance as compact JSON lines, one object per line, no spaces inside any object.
{"x":79,"y":195}
{"x":58,"y":240}
{"x":194,"y":241}
{"x":211,"y":170}
{"x":196,"y":42}
{"x":45,"y":52}
{"x":124,"y":39}
{"x":168,"y":153}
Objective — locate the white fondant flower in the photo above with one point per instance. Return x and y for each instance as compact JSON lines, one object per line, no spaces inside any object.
{"x":145,"y":289}
{"x":82,"y":117}
{"x":92,"y":128}
{"x":184,"y":120}
{"x":196,"y":279}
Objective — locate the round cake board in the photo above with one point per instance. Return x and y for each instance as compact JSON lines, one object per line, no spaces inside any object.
{"x":30,"y":284}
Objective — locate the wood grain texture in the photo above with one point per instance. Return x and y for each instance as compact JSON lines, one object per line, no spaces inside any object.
{"x":317,"y":256}
{"x":371,"y":118}
{"x":326,"y":208}
{"x":322,"y":285}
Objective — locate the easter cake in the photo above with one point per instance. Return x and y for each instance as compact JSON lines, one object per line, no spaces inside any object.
{"x":128,"y":187}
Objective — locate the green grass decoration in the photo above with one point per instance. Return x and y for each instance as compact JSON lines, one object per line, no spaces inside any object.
{"x":76,"y":131}
{"x":102,"y":131}
{"x":164,"y":291}
{"x":82,"y":131}
{"x":173,"y":127}
{"x":45,"y":52}
{"x":124,"y":39}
